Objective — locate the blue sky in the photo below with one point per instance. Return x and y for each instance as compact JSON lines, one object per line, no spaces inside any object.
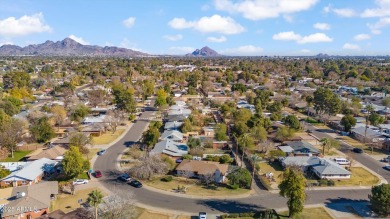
{"x":231,"y":27}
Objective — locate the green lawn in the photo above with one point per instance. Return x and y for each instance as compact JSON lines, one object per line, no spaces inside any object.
{"x":83,"y":175}
{"x":67,"y":202}
{"x":309,"y":213}
{"x":274,"y":167}
{"x":360,"y":177}
{"x":193,"y":188}
{"x":18,"y":156}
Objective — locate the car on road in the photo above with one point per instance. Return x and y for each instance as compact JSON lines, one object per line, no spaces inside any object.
{"x":357,"y":150}
{"x":98,"y":174}
{"x":202,"y":215}
{"x":135,"y":183}
{"x":101,"y":152}
{"x":124,"y":177}
{"x":387,"y":167}
{"x":80,"y":181}
{"x":386,"y":159}
{"x":309,"y":131}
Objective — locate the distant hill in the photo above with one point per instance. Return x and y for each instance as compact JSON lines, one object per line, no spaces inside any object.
{"x":322,"y":55}
{"x":67,"y":47}
{"x":204,"y":52}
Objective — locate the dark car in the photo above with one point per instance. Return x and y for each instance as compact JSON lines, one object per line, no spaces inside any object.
{"x":101,"y":152}
{"x":135,"y":183}
{"x":124,"y":177}
{"x":98,"y":174}
{"x":357,"y":150}
{"x":386,"y":168}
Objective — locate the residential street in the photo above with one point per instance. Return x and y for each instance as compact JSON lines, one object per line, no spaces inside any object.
{"x":262,"y":199}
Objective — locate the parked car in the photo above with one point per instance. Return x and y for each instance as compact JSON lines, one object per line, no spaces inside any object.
{"x":357,"y":150}
{"x":179,"y":160}
{"x":202,"y":215}
{"x":80,"y":181}
{"x":124,"y":177}
{"x":341,"y":161}
{"x":101,"y":152}
{"x":387,"y":167}
{"x":135,"y":183}
{"x":98,"y":174}
{"x":386,"y":159}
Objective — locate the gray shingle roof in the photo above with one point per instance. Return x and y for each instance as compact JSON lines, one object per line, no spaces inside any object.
{"x":32,"y":170}
{"x":302,"y":147}
{"x":171,"y":148}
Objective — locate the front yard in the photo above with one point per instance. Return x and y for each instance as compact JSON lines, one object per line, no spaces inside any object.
{"x":273,"y":167}
{"x":107,"y":137}
{"x":18,"y":156}
{"x":193,"y":187}
{"x":309,"y":213}
{"x":360,"y":177}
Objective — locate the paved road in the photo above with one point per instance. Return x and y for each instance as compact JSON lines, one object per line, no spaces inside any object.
{"x":263,"y":199}
{"x":363,"y":158}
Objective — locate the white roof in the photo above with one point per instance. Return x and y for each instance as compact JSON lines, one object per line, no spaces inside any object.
{"x":171,"y":148}
{"x":286,"y":149}
{"x":172,"y":135}
{"x":32,"y":170}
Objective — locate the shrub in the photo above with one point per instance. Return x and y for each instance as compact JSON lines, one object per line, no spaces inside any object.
{"x":170,"y":163}
{"x":323,"y":182}
{"x":247,"y":214}
{"x":187,"y":157}
{"x":234,"y":215}
{"x":225,"y":159}
{"x":234,"y":186}
{"x":167,"y":179}
{"x":331,"y":183}
{"x":224,"y":216}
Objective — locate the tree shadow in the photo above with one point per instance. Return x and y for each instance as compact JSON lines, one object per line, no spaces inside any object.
{"x":129,"y":143}
{"x":228,"y":206}
{"x":325,"y":130}
{"x":357,"y":207}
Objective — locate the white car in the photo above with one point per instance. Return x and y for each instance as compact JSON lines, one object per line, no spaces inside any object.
{"x":80,"y":181}
{"x":202,"y":215}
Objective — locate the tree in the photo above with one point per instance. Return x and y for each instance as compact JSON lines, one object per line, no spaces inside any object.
{"x":96,"y":97}
{"x":386,"y":101}
{"x":150,"y":137}
{"x":115,"y":206}
{"x":254,"y":159}
{"x":220,"y":132}
{"x":187,"y":126}
{"x":79,"y":113}
{"x":59,"y":115}
{"x":326,"y":102}
{"x":123,"y":99}
{"x":292,"y":187}
{"x":9,"y":107}
{"x":380,"y":199}
{"x":161,"y":99}
{"x":292,"y":122}
{"x":375,"y":119}
{"x":4,"y":172}
{"x":113,"y":119}
{"x":348,"y":122}
{"x":149,"y":167}
{"x":245,"y":141}
{"x":242,"y":115}
{"x":42,"y":130}
{"x":240,"y":177}
{"x":193,"y":142}
{"x":329,"y":143}
{"x":284,"y":133}
{"x":95,"y":198}
{"x":73,"y":163}
{"x":79,"y":139}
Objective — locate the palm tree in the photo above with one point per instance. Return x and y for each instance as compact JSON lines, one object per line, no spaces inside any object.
{"x":94,"y":199}
{"x":324,"y":142}
{"x":244,"y":143}
{"x":254,"y":159}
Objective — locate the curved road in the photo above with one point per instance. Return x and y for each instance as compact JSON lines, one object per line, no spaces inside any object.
{"x":108,"y":164}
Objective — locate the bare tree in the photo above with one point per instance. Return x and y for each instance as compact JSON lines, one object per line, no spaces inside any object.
{"x":113,"y":119}
{"x":11,"y":134}
{"x":266,"y":146}
{"x":96,"y":97}
{"x":78,"y":139}
{"x":208,"y":178}
{"x":187,"y":175}
{"x":351,"y":159}
{"x":115,"y":206}
{"x":149,"y":166}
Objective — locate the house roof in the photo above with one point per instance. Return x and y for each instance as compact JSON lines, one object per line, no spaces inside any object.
{"x":178,"y":118}
{"x":330,"y":167}
{"x":173,"y":125}
{"x":301,"y":161}
{"x":94,"y":119}
{"x":286,"y":149}
{"x":302,"y":147}
{"x":96,"y":127}
{"x":51,"y":153}
{"x":202,"y":167}
{"x":171,"y":148}
{"x":31,"y":171}
{"x":180,"y":111}
{"x":370,"y":133}
{"x":172,"y":135}
{"x":36,"y":197}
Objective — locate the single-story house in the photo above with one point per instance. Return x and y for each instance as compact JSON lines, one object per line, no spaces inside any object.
{"x":199,"y":169}
{"x":370,"y":136}
{"x":94,"y":119}
{"x":176,"y":118}
{"x":322,"y":168}
{"x":171,"y":148}
{"x":30,"y":174}
{"x":53,"y":153}
{"x":95,"y":129}
{"x":182,"y":111}
{"x":28,"y":201}
{"x":209,"y":131}
{"x":173,"y":125}
{"x":65,"y":142}
{"x":172,"y":135}
{"x":300,"y":148}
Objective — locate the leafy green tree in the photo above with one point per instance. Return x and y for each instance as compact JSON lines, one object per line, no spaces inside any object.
{"x":79,"y":140}
{"x":259,"y":133}
{"x":220,"y":132}
{"x":386,"y":101}
{"x":187,"y":126}
{"x":329,"y":143}
{"x":16,"y":79}
{"x":193,"y":142}
{"x":4,"y":172}
{"x":326,"y":102}
{"x":9,"y":107}
{"x":95,"y":198}
{"x":123,"y":99}
{"x":73,"y":163}
{"x":148,"y":88}
{"x":42,"y":130}
{"x":239,"y":87}
{"x":245,"y":142}
{"x":79,"y":113}
{"x":375,"y":119}
{"x":292,"y":187}
{"x":242,"y":115}
{"x":150,"y":137}
{"x":240,"y":177}
{"x":161,"y":99}
{"x":292,"y":122}
{"x":284,"y":133}
{"x":10,"y":133}
{"x":240,"y":128}
{"x":348,"y":122}
{"x":380,"y":199}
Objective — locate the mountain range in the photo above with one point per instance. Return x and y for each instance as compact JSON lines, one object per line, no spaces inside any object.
{"x":68,"y":47}
{"x":204,"y":52}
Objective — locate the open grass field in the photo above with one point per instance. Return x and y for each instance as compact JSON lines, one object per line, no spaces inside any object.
{"x":360,"y":177}
{"x":67,"y":202}
{"x":18,"y":156}
{"x":309,"y":213}
{"x":107,"y":137}
{"x":193,"y":188}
